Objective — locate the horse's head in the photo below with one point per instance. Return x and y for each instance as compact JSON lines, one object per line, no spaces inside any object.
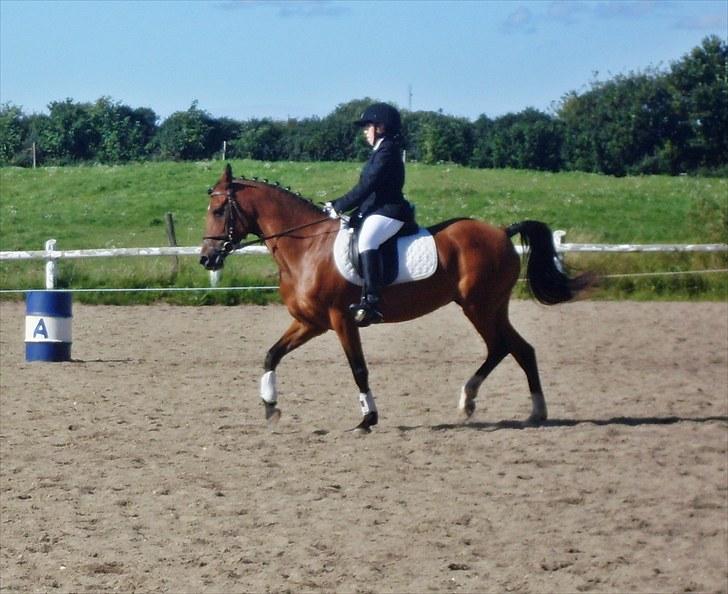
{"x":226,"y":224}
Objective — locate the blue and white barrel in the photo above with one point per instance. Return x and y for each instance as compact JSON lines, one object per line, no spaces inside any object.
{"x":48,"y":316}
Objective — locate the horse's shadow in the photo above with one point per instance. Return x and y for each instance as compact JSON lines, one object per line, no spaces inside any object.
{"x":127,"y":360}
{"x":512,"y":424}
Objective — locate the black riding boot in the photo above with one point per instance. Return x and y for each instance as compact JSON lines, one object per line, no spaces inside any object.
{"x":366,"y":312}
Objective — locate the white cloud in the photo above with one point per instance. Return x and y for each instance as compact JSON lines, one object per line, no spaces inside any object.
{"x":290,"y":8}
{"x":520,"y":20}
{"x":630,"y":9}
{"x":704,"y":22}
{"x":567,"y":12}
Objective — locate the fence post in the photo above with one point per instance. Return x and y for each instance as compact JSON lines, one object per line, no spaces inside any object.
{"x":559,"y":257}
{"x":172,"y":240}
{"x":51,"y":263}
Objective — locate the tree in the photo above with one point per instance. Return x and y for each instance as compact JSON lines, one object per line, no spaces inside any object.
{"x":482,"y":155}
{"x":410,"y":133}
{"x":580,"y":146}
{"x":224,"y":129}
{"x":123,"y":133}
{"x":527,"y":140}
{"x":653,"y":121}
{"x":259,"y":139}
{"x":620,"y":126}
{"x":68,"y":135}
{"x":13,"y":129}
{"x":342,"y":139}
{"x":646,"y":122}
{"x":700,"y":92}
{"x":186,"y":135}
{"x":444,"y":138}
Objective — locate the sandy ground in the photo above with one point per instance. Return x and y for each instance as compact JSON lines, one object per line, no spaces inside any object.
{"x":145,"y":465}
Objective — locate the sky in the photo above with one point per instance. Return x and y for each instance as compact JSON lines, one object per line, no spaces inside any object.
{"x":281,"y":59}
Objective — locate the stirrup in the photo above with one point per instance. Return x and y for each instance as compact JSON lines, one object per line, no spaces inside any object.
{"x":365,"y":314}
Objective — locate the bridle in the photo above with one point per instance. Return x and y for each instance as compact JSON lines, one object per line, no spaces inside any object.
{"x":234,"y":213}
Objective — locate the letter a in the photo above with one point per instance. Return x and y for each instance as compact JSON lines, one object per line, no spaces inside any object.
{"x":41,"y":329}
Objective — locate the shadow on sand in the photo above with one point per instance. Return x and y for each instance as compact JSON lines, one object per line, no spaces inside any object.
{"x":624,"y":421}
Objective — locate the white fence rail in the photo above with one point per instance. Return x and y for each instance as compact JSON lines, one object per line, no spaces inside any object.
{"x":52,"y":255}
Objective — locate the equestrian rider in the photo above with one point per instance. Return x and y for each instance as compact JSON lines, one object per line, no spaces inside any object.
{"x":380,"y":207}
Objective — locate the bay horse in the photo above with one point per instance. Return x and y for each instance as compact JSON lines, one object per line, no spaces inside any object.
{"x":477,"y":268}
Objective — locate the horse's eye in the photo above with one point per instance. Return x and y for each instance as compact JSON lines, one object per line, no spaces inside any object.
{"x":219,"y":211}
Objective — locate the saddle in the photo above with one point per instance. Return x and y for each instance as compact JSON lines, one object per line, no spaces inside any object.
{"x":410,"y":255}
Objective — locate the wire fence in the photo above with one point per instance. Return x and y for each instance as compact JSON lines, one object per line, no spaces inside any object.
{"x":275,"y":287}
{"x":51,"y":255}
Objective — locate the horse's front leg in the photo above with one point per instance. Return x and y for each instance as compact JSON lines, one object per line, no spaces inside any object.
{"x":297,"y":334}
{"x":350,"y":339}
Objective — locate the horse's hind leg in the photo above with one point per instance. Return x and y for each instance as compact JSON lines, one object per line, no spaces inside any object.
{"x":487,"y":327}
{"x":525,"y":355}
{"x":502,"y":339}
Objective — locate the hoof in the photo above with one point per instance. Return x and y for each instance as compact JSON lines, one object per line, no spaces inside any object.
{"x":365,"y":427}
{"x":468,"y":408}
{"x":272,"y":413}
{"x":535,"y":420}
{"x":466,"y":405}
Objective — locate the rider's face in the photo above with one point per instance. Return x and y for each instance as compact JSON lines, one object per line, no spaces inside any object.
{"x":373,"y":133}
{"x":370,"y":134}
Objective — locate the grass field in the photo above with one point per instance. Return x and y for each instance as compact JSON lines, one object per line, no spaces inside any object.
{"x":125,"y":206}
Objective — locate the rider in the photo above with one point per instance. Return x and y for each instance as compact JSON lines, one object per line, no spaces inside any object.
{"x":381,"y":208}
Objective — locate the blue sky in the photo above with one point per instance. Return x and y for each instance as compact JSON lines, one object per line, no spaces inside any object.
{"x":302,"y":58}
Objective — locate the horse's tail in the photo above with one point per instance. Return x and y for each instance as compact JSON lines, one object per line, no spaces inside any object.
{"x":547,"y":279}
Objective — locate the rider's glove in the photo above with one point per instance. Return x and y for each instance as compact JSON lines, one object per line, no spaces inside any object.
{"x":331,"y":211}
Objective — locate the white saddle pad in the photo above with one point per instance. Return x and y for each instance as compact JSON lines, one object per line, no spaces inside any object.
{"x":417,"y":257}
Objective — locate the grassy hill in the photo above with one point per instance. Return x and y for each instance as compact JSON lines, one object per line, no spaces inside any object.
{"x":124,"y":206}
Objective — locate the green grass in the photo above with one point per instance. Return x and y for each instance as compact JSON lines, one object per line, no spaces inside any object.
{"x":124,"y":206}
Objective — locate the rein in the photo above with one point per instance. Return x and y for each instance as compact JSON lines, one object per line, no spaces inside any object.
{"x":233,"y":211}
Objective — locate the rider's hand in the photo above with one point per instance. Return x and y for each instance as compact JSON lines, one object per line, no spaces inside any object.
{"x":331,"y":211}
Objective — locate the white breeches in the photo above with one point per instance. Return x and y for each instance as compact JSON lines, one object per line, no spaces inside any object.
{"x":375,"y":230}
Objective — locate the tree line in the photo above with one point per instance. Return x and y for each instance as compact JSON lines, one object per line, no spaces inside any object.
{"x":671,"y":120}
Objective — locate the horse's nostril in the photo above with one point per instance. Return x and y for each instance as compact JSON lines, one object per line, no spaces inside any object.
{"x":213,"y":262}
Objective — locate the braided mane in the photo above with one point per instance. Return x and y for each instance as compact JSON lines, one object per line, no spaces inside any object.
{"x":305,"y":202}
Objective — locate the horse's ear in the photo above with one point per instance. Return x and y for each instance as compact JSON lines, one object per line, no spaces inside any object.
{"x":227,"y":174}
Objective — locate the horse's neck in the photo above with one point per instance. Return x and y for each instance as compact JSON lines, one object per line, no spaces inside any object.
{"x":280,"y":213}
{"x":295,"y":232}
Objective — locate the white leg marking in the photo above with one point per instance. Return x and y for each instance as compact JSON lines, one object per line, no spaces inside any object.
{"x":367,"y":403}
{"x":468,"y":393}
{"x":464,"y":399}
{"x":268,"y":390}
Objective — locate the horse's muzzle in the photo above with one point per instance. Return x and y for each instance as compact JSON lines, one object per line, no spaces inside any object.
{"x":214,"y":261}
{"x":213,"y":255}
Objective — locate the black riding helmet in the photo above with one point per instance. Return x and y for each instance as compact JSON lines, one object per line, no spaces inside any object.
{"x":381,"y":113}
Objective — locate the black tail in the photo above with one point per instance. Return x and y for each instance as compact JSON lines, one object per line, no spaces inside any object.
{"x":547,"y":279}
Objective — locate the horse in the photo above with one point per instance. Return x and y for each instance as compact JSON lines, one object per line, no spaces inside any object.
{"x":477,"y":267}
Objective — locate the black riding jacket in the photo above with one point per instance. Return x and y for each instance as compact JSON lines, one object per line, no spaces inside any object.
{"x":379,"y":190}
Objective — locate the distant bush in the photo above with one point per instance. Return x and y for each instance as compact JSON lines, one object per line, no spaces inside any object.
{"x":658,"y":121}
